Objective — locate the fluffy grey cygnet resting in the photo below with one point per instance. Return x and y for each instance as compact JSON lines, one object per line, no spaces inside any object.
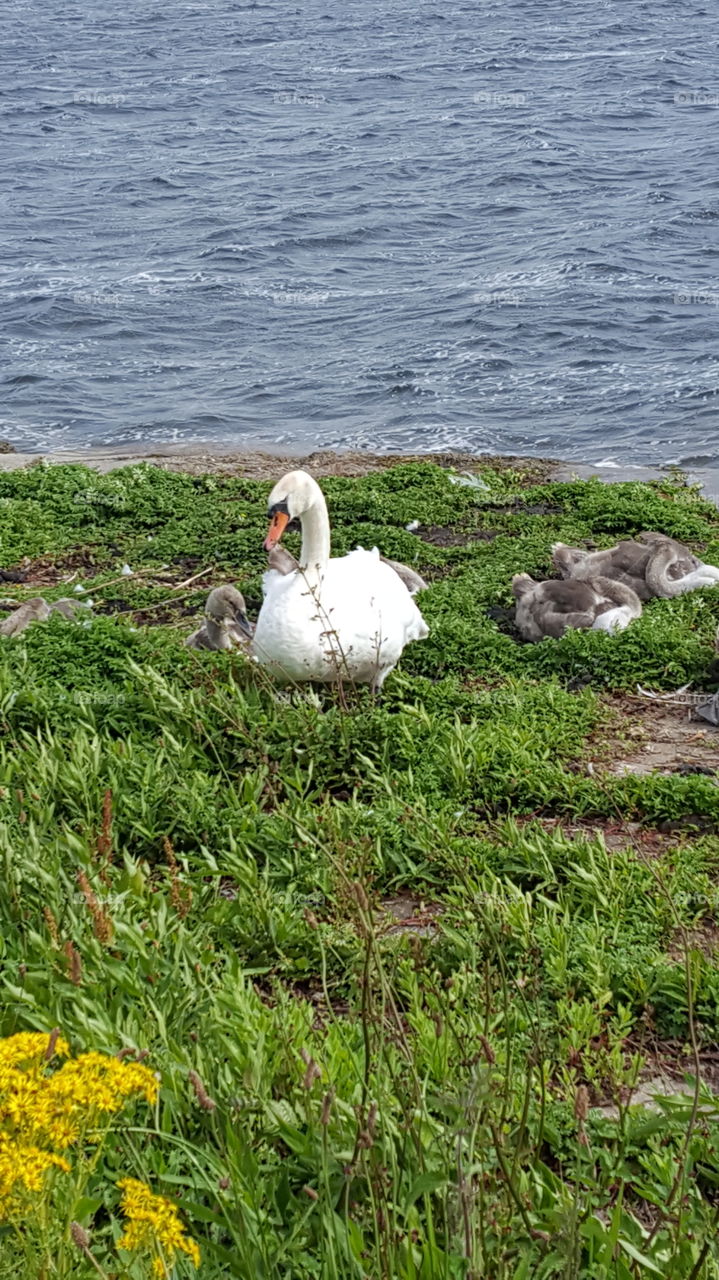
{"x":653,"y":565}
{"x":282,"y":561}
{"x":551,"y":608}
{"x":36,"y":610}
{"x":226,"y":625}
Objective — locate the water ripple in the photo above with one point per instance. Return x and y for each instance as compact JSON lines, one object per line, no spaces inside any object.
{"x":385,"y":226}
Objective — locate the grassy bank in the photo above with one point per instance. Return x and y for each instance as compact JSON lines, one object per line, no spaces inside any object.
{"x":399,"y":964}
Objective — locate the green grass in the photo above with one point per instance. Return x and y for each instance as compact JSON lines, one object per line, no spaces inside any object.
{"x":454,"y":1123}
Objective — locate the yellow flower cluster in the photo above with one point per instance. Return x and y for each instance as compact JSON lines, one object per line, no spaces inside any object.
{"x":28,"y":1048}
{"x":44,"y":1111}
{"x":94,"y":1081}
{"x":153,"y":1226}
{"x":23,"y":1168}
{"x":55,"y":1108}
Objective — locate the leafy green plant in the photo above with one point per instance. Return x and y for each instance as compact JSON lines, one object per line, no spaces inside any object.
{"x":399,"y":975}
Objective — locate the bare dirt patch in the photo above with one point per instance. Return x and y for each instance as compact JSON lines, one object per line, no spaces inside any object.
{"x":182,"y":580}
{"x":407,"y":914}
{"x":661,"y":738}
{"x":450,"y":536}
{"x":616,"y":835}
{"x":667,"y":1065}
{"x":325,"y":462}
{"x":529,"y":509}
{"x":702,"y":937}
{"x":252,"y":464}
{"x":56,"y":570}
{"x":81,"y":563}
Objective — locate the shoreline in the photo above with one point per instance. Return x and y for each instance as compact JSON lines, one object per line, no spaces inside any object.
{"x":262,"y":464}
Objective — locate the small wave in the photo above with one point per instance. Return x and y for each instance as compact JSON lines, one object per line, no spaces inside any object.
{"x":421,"y":245}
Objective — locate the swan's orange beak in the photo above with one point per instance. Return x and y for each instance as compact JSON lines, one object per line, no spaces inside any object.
{"x":278,"y":524}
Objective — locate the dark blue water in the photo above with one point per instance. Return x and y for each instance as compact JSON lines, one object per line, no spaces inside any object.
{"x":381,"y":224}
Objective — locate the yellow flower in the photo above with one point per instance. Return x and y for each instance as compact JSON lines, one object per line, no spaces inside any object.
{"x":95,"y":1080}
{"x":153,"y":1225}
{"x":55,"y":1109}
{"x":29,"y":1048}
{"x":23,"y":1168}
{"x":42,"y":1111}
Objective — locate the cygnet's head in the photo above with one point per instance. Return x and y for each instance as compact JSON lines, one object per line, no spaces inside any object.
{"x":294,"y":494}
{"x":226,"y":608}
{"x":649,"y":537}
{"x":522,"y":584}
{"x":281,"y":561}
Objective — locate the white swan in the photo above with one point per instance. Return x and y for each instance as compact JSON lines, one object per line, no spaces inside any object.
{"x":592,"y":604}
{"x":329,"y":620}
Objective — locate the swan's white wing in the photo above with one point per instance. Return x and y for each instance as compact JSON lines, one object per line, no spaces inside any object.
{"x":381,"y":591}
{"x":269,"y":580}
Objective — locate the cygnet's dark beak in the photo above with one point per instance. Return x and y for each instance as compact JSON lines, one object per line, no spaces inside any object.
{"x":243,"y":622}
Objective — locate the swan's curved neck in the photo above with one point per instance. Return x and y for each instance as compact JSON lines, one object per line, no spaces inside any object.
{"x":656,"y":572}
{"x":315,"y":553}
